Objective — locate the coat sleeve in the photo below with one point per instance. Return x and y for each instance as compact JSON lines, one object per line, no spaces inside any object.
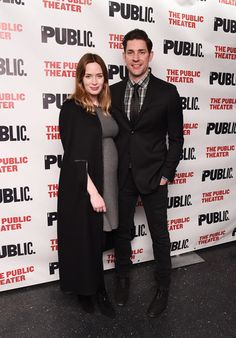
{"x":74,"y":168}
{"x":65,"y":124}
{"x":175,"y":134}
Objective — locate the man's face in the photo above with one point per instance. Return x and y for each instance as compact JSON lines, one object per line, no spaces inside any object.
{"x":137,"y":59}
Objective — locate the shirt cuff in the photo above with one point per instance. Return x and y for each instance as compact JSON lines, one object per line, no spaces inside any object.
{"x":164,"y":178}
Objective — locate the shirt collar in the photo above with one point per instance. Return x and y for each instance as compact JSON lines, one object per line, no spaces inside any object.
{"x":143,"y":82}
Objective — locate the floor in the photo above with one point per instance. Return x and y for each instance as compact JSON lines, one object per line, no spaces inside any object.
{"x":202,"y":304}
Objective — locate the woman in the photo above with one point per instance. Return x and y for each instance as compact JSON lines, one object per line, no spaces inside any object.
{"x":87,"y":199}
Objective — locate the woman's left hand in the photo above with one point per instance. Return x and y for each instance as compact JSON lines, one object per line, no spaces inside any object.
{"x":97,"y":202}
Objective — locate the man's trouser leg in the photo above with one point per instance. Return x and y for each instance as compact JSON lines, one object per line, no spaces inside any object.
{"x":128,"y":196}
{"x":155,"y":206}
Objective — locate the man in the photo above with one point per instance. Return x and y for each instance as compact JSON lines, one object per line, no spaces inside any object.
{"x":147,"y":110}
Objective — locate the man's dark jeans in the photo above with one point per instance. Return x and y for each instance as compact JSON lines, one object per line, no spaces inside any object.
{"x":155,"y":206}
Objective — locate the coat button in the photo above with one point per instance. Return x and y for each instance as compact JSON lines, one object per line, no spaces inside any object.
{"x":132,"y":132}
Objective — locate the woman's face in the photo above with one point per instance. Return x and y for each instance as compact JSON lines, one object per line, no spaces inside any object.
{"x":93,"y":79}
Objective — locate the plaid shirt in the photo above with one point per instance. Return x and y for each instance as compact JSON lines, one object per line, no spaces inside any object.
{"x":129,"y":92}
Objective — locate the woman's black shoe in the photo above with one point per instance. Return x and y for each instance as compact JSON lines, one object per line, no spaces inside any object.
{"x":86,"y":303}
{"x":104,"y":304}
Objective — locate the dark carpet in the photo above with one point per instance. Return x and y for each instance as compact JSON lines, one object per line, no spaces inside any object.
{"x":202,"y":304}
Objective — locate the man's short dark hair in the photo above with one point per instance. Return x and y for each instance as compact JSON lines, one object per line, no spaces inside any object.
{"x":137,"y":34}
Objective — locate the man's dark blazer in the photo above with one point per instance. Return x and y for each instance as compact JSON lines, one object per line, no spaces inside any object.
{"x":154,"y":144}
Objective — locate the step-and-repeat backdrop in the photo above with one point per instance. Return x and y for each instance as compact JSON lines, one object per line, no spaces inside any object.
{"x":40,"y":44}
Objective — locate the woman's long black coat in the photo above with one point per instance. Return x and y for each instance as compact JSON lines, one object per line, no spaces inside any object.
{"x":79,"y":227}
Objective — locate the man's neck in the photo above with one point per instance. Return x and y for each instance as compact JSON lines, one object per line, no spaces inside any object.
{"x":140,"y":79}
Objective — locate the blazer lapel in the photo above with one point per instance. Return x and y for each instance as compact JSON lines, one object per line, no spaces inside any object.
{"x":150,"y":94}
{"x":122,"y":104}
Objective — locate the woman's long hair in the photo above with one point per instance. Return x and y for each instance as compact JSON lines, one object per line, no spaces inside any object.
{"x":81,"y":96}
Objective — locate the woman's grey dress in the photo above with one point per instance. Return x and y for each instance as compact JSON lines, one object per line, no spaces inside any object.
{"x":110,"y":164}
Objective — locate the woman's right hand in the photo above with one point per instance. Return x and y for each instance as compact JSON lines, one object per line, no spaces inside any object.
{"x":97,"y":202}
